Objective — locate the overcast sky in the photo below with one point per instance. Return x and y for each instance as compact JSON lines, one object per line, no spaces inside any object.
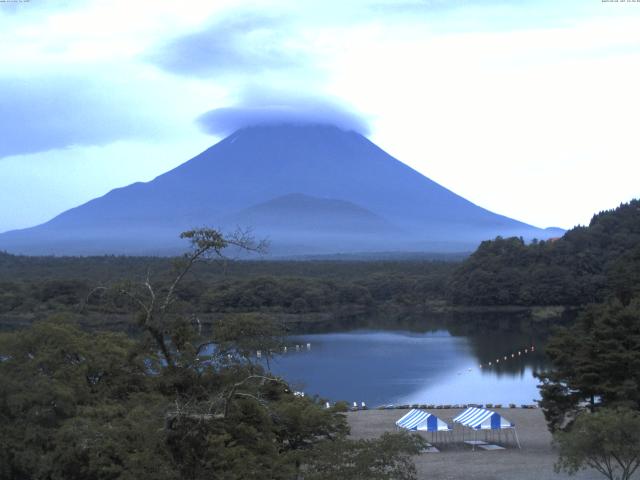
{"x":526,"y":107}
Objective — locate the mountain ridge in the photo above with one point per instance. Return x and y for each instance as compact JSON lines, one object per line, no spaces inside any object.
{"x":256,"y":165}
{"x":296,"y":209}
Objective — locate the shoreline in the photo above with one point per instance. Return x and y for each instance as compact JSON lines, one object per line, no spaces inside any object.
{"x":456,"y":406}
{"x":380,"y":317}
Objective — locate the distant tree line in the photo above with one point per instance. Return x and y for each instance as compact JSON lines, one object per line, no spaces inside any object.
{"x":282,"y":287}
{"x":586,"y":265}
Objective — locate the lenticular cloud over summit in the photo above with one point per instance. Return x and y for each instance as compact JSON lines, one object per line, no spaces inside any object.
{"x":283,"y":111}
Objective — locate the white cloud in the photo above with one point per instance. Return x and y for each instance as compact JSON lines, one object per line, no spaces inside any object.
{"x":536,"y":124}
{"x":526,"y":108}
{"x":48,"y":183}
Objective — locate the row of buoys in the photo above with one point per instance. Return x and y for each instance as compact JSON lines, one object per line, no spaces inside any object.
{"x":505,"y":358}
{"x":297,"y":347}
{"x":285,"y":349}
{"x":363,"y":406}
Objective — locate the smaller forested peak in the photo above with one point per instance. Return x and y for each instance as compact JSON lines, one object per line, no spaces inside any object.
{"x":587,"y":264}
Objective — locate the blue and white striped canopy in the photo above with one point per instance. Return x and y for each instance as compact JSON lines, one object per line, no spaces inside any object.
{"x":423,"y":421}
{"x":481,"y":419}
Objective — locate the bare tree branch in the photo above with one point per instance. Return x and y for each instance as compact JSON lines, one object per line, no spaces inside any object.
{"x":204,"y":242}
{"x":235,"y":386}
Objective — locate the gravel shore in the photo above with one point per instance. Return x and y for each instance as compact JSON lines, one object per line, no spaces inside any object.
{"x":457,"y":461}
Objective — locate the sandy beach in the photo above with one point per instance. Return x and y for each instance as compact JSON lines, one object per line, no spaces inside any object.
{"x":534,"y":461}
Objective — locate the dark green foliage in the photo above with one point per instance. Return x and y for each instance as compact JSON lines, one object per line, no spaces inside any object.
{"x":290,"y":295}
{"x":166,"y":406}
{"x":66,"y":397}
{"x":244,"y":334}
{"x":66,"y":292}
{"x":607,"y":441}
{"x":113,"y":441}
{"x":12,"y":296}
{"x":596,"y":362}
{"x":384,"y":458}
{"x":586,"y":265}
{"x":111,"y":268}
{"x":280,"y":288}
{"x":92,"y":406}
{"x":623,"y":275}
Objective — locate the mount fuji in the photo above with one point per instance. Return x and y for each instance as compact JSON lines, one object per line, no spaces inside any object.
{"x":308,"y":189}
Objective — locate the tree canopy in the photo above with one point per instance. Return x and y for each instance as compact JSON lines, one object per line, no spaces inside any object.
{"x":585,"y":266}
{"x":607,"y":441}
{"x":163,"y":405}
{"x":595,"y":362}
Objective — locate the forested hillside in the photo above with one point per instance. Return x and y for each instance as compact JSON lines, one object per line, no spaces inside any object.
{"x":40,"y":286}
{"x":586,"y":265}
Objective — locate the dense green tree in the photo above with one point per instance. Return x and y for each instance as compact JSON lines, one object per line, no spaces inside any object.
{"x":51,"y":375}
{"x":623,"y":276}
{"x":277,"y":288}
{"x":595,"y":362}
{"x":384,"y":458}
{"x":244,"y":335}
{"x":113,"y":441}
{"x":607,"y":441}
{"x":97,"y":406}
{"x":177,"y":402}
{"x":585,"y":266}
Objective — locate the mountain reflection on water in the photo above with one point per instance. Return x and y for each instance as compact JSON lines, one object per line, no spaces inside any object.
{"x":408,"y":367}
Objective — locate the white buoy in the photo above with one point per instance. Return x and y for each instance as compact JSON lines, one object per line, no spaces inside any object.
{"x":284,"y":349}
{"x":308,"y":346}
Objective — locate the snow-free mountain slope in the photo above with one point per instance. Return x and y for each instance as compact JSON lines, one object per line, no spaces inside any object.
{"x":296,"y":211}
{"x":257,"y":172}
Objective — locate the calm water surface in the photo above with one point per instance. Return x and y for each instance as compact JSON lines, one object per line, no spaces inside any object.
{"x":404,"y":367}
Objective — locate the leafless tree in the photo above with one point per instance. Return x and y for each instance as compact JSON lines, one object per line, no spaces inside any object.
{"x":155,"y":305}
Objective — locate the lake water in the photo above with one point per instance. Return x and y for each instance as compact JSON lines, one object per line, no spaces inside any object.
{"x":402,"y":367}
